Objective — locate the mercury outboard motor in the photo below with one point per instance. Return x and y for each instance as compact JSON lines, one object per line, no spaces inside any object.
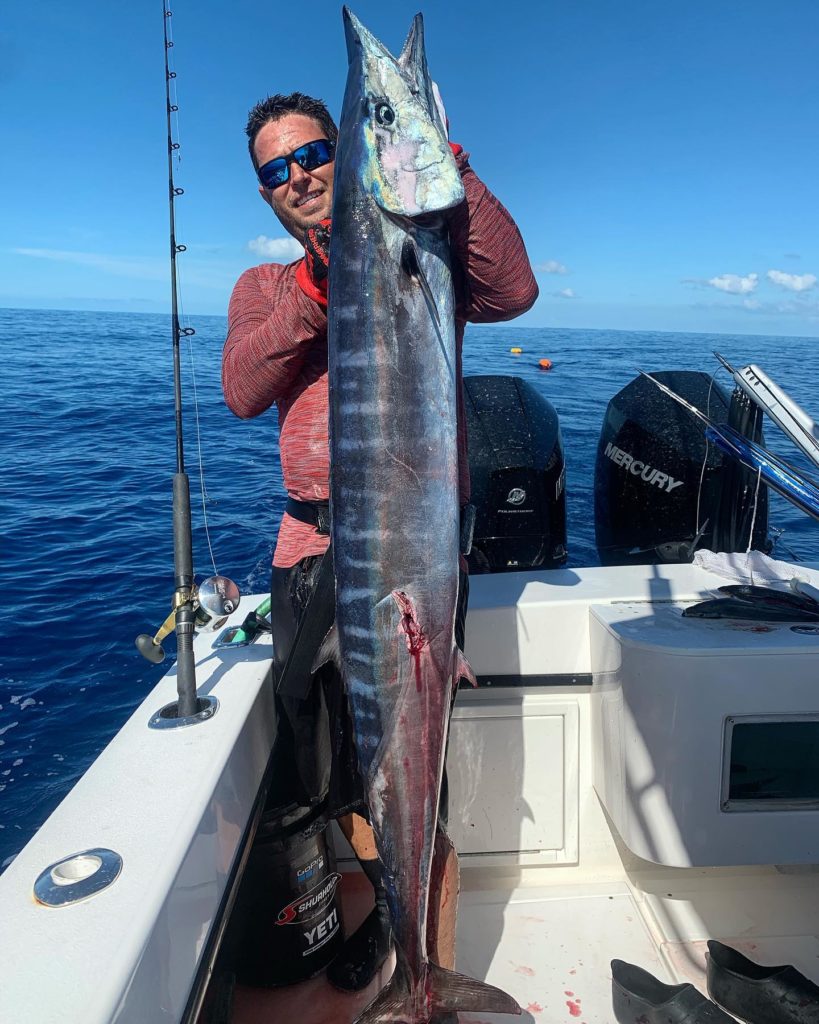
{"x":518,"y":476}
{"x":659,"y":491}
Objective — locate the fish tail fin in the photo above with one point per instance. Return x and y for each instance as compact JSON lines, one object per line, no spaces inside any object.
{"x":445,"y":992}
{"x":450,"y":991}
{"x":393,"y":1004}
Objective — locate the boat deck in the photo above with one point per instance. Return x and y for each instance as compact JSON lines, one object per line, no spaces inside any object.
{"x":594,"y":800}
{"x":550,"y":945}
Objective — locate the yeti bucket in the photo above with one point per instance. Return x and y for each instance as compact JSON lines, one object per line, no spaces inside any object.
{"x":292,"y":925}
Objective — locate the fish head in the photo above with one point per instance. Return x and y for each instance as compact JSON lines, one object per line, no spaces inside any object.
{"x":392,"y":126}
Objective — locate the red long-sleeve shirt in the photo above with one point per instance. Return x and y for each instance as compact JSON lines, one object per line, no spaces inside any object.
{"x":276,"y":348}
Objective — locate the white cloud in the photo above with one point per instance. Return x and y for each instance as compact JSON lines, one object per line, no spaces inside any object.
{"x":798,"y":306}
{"x":565,"y":293}
{"x":793,"y":282}
{"x":287,"y":249}
{"x":550,"y":267}
{"x":734,"y":283}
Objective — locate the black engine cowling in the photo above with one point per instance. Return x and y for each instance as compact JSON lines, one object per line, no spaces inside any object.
{"x":518,"y":476}
{"x":659,"y":491}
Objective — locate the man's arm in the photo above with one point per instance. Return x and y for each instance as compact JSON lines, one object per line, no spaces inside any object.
{"x":267,"y":342}
{"x":497,"y":282}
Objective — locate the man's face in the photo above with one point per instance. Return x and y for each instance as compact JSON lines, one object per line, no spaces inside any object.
{"x":307,"y":196}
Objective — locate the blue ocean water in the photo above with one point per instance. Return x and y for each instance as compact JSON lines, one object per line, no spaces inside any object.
{"x":88,"y":452}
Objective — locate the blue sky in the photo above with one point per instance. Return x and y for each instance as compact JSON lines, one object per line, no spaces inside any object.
{"x":660,"y":158}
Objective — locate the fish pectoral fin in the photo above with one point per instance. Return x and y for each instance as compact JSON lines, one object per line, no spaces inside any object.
{"x":328,"y":651}
{"x":451,"y":991}
{"x":463,"y":670}
{"x":411,"y":266}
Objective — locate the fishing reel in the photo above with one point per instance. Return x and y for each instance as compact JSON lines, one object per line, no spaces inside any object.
{"x":212,"y":601}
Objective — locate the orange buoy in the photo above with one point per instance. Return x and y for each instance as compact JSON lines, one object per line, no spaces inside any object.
{"x":545,"y":364}
{"x":516,"y":351}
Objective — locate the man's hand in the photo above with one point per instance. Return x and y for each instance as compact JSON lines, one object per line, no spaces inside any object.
{"x":317,"y":250}
{"x":311,"y":273}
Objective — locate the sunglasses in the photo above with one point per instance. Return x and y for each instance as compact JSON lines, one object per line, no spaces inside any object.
{"x":309,"y":156}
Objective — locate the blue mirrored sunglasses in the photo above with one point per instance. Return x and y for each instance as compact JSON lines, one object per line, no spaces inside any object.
{"x":309,"y":156}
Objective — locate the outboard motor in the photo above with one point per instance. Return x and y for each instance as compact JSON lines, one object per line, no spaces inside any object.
{"x":659,"y":491}
{"x":518,"y":476}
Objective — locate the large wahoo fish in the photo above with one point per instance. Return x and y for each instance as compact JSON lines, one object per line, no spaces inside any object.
{"x":394,"y":486}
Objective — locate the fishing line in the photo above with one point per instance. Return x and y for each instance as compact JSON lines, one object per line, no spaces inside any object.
{"x":753,"y":517}
{"x":202,"y":487}
{"x":699,"y":528}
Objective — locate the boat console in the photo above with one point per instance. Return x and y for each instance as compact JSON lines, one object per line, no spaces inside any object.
{"x":706,"y":735}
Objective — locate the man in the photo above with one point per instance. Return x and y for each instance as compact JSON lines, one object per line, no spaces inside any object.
{"x":276,"y":352}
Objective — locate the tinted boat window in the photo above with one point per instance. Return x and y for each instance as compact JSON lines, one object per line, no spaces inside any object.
{"x":773,"y":762}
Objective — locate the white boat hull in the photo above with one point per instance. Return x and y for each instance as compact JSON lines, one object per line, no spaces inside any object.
{"x":554,"y":880}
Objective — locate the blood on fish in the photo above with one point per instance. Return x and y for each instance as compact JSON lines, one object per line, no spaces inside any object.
{"x":521,"y":969}
{"x":534,"y":1008}
{"x":411,"y":628}
{"x":574,"y":1008}
{"x":416,"y":638}
{"x":567,"y":993}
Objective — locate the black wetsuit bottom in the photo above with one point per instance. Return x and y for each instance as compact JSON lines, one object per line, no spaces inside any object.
{"x":314,"y":760}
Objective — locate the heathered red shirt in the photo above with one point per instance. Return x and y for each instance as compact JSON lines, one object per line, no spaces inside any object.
{"x":276,"y":348}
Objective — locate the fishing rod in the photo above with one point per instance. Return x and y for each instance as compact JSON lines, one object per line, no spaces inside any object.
{"x":217,"y":596}
{"x":793,"y":421}
{"x":778,"y":474}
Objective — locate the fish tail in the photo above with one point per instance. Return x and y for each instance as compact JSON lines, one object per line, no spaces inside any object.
{"x":393,"y":1004}
{"x":451,"y":991}
{"x":445,"y":992}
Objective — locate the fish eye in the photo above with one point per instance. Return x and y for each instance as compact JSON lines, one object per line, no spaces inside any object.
{"x":384,"y":114}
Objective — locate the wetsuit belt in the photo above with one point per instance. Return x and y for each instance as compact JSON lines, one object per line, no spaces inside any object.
{"x":316,"y":513}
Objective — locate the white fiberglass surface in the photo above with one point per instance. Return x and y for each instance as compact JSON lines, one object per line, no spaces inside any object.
{"x":551,"y":951}
{"x":173,"y":804}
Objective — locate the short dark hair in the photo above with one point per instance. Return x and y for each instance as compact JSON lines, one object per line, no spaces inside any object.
{"x":276,"y":107}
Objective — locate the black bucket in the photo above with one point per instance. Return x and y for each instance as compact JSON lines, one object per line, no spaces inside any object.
{"x":292,"y":925}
